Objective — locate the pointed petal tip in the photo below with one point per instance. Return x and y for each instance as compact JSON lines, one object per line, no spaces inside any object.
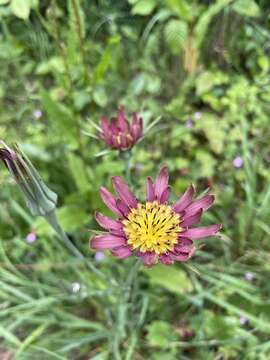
{"x":107,"y":222}
{"x":150,"y":189}
{"x":162,"y":181}
{"x":109,"y":200}
{"x":124,"y":192}
{"x":106,"y":241}
{"x":201,"y":232}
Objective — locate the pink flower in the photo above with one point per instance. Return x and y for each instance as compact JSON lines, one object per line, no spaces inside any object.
{"x":238,"y":162}
{"x":243,"y":320}
{"x":37,"y":113}
{"x":154,"y":230}
{"x":31,"y":237}
{"x":249,"y":276}
{"x":119,"y":134}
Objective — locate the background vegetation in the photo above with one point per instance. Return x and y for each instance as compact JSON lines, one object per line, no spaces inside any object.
{"x":204,"y":67}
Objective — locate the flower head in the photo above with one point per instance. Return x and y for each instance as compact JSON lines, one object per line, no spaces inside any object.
{"x":37,"y":113}
{"x":39,"y":198}
{"x":243,"y":320}
{"x":154,"y":230}
{"x":119,"y":134}
{"x":31,"y":237}
{"x":238,"y":162}
{"x":249,"y":276}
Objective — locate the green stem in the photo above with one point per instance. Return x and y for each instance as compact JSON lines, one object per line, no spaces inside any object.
{"x":122,"y":318}
{"x":126,"y":158}
{"x":53,"y":222}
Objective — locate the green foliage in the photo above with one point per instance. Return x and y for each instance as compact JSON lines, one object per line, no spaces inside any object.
{"x":176,"y":32}
{"x":21,"y":8}
{"x":171,"y":279}
{"x":143,"y":7}
{"x":202,"y":68}
{"x":160,"y":334}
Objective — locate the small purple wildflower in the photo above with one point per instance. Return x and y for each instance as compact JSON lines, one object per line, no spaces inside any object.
{"x":249,"y":276}
{"x":238,"y":162}
{"x":197,"y":115}
{"x":37,"y":113}
{"x":31,"y":237}
{"x":189,"y":123}
{"x":99,"y":256}
{"x":243,"y":320}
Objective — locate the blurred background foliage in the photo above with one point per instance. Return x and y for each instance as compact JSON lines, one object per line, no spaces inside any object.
{"x":203,"y":66}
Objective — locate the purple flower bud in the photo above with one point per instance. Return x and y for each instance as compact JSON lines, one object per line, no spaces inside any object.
{"x":31,"y":237}
{"x":249,"y":276}
{"x":243,"y":320}
{"x":120,"y":134}
{"x":238,"y":162}
{"x":39,"y":198}
{"x":37,"y":113}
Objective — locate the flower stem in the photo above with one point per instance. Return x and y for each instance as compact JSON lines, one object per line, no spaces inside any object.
{"x":126,"y":158}
{"x":52,"y":220}
{"x":122,"y":308}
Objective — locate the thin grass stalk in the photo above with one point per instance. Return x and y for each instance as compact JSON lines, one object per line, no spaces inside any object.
{"x":53,"y":222}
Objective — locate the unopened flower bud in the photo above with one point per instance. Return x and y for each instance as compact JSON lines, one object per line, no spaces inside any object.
{"x":39,"y":198}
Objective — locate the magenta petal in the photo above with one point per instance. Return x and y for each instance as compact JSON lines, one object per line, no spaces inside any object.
{"x":201,"y":232}
{"x":109,"y":200}
{"x":122,"y":252}
{"x":107,"y":241}
{"x":114,"y":126}
{"x":184,"y":249}
{"x":134,"y":126}
{"x":115,"y":142}
{"x":204,"y":203}
{"x":150,"y":190}
{"x":119,"y":233}
{"x":105,"y":125}
{"x":140,"y":126}
{"x":107,"y":223}
{"x":122,"y":122}
{"x":148,"y":258}
{"x":123,"y":141}
{"x":124,"y":192}
{"x":166,"y":259}
{"x":184,"y":200}
{"x":122,"y":207}
{"x":180,"y":257}
{"x":165,"y":195}
{"x":184,"y":242}
{"x":161,"y":182}
{"x":191,"y":220}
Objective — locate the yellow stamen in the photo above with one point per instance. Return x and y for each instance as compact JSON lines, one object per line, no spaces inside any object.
{"x":152,"y":227}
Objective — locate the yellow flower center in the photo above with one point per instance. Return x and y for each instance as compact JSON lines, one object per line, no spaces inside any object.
{"x":152,"y":227}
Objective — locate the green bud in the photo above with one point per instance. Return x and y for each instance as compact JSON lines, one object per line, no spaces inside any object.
{"x":39,"y":198}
